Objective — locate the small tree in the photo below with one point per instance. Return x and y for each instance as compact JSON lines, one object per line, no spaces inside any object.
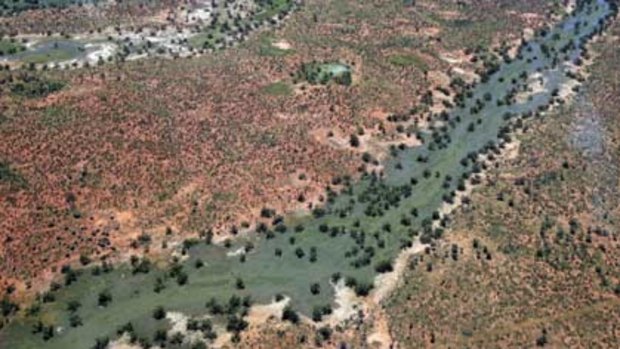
{"x":315,"y":288}
{"x":73,"y":306}
{"x":354,"y":141}
{"x":240,"y":284}
{"x":362,"y":289}
{"x":159,"y":313}
{"x":75,"y":320}
{"x":290,"y":315}
{"x":105,"y":298}
{"x":384,"y":266}
{"x":199,"y":263}
{"x":101,"y":343}
{"x":317,"y":314}
{"x":299,"y":252}
{"x":182,"y":278}
{"x":160,"y":336}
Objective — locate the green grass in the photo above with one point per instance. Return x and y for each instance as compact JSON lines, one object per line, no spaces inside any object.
{"x":9,"y":47}
{"x":278,"y":89}
{"x":205,"y":39}
{"x":407,"y":60}
{"x":366,"y":223}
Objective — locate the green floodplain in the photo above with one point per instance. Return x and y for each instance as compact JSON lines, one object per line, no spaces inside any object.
{"x":355,"y":236}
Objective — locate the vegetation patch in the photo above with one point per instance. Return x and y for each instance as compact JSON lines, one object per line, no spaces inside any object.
{"x":11,"y":177}
{"x":323,"y":73}
{"x":279,"y":88}
{"x":32,"y":86}
{"x":408,"y":60}
{"x":10,"y":46}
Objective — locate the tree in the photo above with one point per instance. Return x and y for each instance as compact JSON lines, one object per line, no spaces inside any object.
{"x":236,"y":324}
{"x":182,"y":278}
{"x":159,"y":285}
{"x":160,"y":336}
{"x":313,"y":254}
{"x":199,"y":263}
{"x":7,"y":307}
{"x":239,"y":284}
{"x":101,"y":343}
{"x":73,"y":306}
{"x":176,"y":338}
{"x":105,"y":297}
{"x":542,"y":340}
{"x":362,"y":289}
{"x":159,"y":313}
{"x":199,"y":345}
{"x":325,"y":332}
{"x":214,"y":307}
{"x":48,"y":332}
{"x":384,"y":266}
{"x":267,"y":212}
{"x":84,"y":259}
{"x":354,"y":141}
{"x":290,"y":315}
{"x":75,"y":320}
{"x":317,"y":314}
{"x":315,"y":288}
{"x":299,"y":252}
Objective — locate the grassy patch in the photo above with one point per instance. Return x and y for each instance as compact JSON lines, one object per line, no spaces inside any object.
{"x":407,"y":60}
{"x":279,"y":88}
{"x":54,"y":117}
{"x":206,"y":39}
{"x":10,"y":176}
{"x":9,"y":47}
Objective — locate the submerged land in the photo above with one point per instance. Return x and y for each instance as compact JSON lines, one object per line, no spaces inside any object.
{"x":388,"y":232}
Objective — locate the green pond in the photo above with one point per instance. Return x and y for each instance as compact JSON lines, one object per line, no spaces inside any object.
{"x":359,"y":231}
